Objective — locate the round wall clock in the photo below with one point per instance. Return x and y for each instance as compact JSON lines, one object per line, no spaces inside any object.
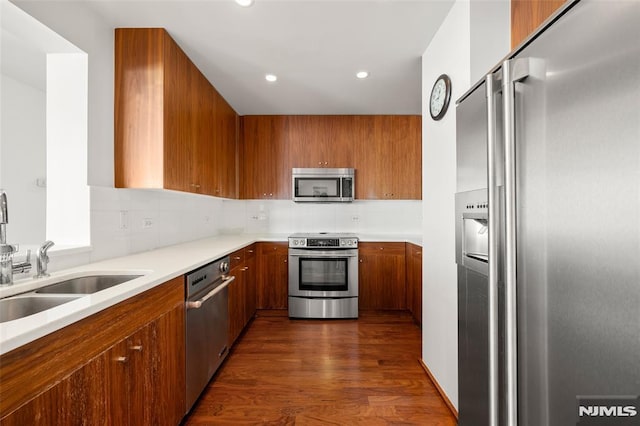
{"x":440,"y":97}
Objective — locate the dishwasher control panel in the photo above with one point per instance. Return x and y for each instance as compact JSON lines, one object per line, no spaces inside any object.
{"x":203,"y":277}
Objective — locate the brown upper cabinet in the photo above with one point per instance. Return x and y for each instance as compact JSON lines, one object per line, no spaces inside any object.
{"x":386,"y":152}
{"x":389,"y":158}
{"x":173,"y":130}
{"x":266,"y":172}
{"x":321,"y":140}
{"x":527,"y":15}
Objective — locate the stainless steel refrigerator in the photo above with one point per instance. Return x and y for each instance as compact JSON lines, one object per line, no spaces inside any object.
{"x":548,"y":226}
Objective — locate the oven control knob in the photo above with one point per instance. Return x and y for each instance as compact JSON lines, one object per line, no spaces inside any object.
{"x":224,"y":267}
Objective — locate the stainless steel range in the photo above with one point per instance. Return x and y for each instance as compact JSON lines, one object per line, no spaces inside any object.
{"x":323,"y":275}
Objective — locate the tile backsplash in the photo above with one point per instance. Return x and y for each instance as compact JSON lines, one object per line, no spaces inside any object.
{"x":284,"y":216}
{"x":127,"y":221}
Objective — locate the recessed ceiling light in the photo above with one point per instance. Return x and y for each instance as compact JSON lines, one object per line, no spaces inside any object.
{"x":270,"y":78}
{"x":362,"y":74}
{"x":244,"y":3}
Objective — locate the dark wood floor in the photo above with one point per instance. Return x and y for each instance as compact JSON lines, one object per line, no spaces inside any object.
{"x":313,"y":372}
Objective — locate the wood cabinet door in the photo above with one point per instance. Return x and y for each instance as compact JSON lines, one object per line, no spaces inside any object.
{"x":140,"y":351}
{"x":236,"y":304}
{"x":80,"y":398}
{"x":414,"y":281}
{"x":167,"y":396}
{"x":118,"y":386}
{"x":405,"y":136}
{"x":266,"y":172}
{"x":181,"y":107}
{"x":250,"y":282}
{"x":306,"y":138}
{"x":321,"y":140}
{"x":156,"y":371}
{"x":138,"y":107}
{"x":381,"y":276}
{"x":226,"y":141}
{"x":389,"y":157}
{"x":203,"y":164}
{"x":273,"y":273}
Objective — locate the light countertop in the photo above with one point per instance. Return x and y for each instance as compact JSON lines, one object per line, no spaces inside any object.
{"x":157,"y":266}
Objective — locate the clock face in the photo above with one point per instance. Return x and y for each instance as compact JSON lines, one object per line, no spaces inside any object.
{"x":440,"y":95}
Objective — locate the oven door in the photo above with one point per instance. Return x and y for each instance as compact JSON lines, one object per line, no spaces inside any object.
{"x":323,"y":273}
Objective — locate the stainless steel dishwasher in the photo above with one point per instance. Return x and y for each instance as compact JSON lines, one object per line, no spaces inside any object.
{"x":207,"y":325}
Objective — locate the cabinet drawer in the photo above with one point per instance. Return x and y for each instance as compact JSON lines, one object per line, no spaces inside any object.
{"x":236,"y":259}
{"x":385,"y":248}
{"x":278,"y":247}
{"x":414,"y":250}
{"x":249,"y":252}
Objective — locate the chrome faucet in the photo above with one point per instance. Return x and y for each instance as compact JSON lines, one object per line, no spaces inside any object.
{"x":42,"y":260}
{"x":4,"y":217}
{"x":6,"y":250}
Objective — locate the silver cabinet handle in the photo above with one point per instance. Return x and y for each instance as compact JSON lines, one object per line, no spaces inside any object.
{"x":512,"y":72}
{"x":121,"y":359}
{"x":198,"y":303}
{"x":137,"y":348}
{"x":492,"y":87}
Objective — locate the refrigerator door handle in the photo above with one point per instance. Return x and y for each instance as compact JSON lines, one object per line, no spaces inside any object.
{"x":512,"y":71}
{"x":493,"y":87}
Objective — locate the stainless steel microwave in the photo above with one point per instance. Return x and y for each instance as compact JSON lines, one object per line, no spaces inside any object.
{"x":323,"y":185}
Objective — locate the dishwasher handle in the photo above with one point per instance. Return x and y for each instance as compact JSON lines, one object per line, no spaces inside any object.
{"x":198,"y":303}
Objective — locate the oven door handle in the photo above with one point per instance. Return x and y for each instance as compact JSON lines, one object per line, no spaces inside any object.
{"x":198,"y":303}
{"x":318,"y":253}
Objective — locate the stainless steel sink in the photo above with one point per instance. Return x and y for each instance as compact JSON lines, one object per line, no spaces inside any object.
{"x":23,"y":306}
{"x":86,"y":285}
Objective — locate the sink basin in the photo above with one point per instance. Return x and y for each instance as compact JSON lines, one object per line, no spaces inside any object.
{"x":20,"y":307}
{"x":86,"y":285}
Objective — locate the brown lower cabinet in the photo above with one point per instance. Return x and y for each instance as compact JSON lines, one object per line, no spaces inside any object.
{"x":242,"y":293}
{"x":414,"y":281}
{"x":272,"y":275}
{"x":381,"y":276}
{"x":121,"y":366}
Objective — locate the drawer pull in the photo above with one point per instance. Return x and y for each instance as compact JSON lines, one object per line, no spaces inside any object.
{"x":121,"y":359}
{"x":137,"y":348}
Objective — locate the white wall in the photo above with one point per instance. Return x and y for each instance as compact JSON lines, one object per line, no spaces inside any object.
{"x":67,"y":190}
{"x":490,"y":35}
{"x":77,"y":23}
{"x":470,"y":38}
{"x":23,"y":160}
{"x":448,"y":53}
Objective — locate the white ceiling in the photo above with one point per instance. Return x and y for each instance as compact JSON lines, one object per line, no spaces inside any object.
{"x":315,"y":47}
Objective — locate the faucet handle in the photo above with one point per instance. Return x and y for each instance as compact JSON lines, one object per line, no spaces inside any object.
{"x":42,"y":259}
{"x":46,"y":246}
